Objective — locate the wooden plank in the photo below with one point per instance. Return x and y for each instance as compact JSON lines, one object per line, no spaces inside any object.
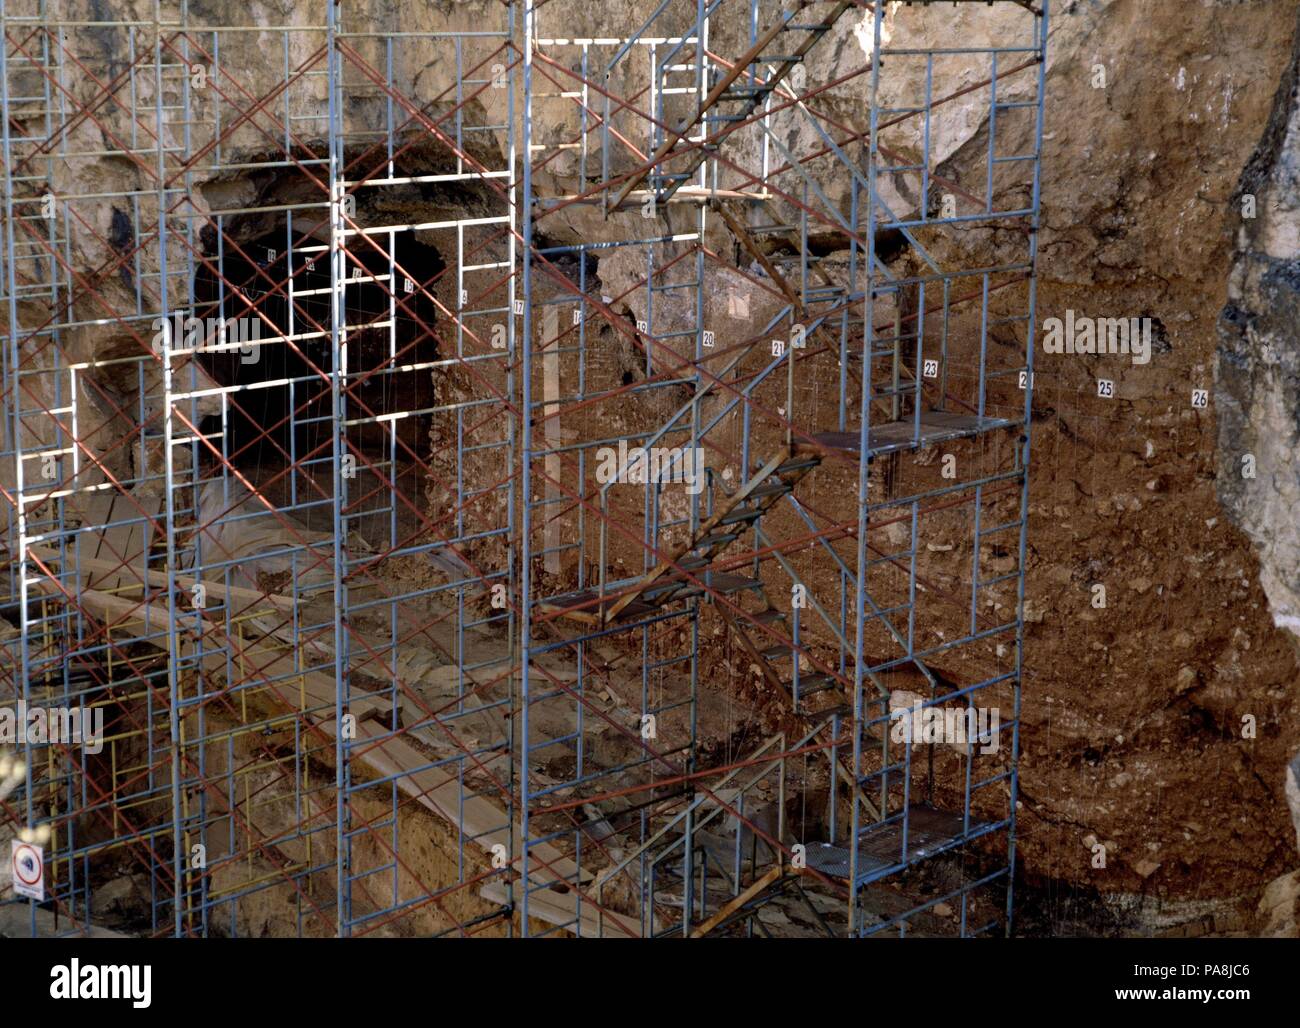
{"x":561,"y":909}
{"x":736,"y":902}
{"x":686,"y":194}
{"x":250,"y":597}
{"x":263,"y":665}
{"x":107,"y":607}
{"x":438,"y":790}
{"x":479,"y":819}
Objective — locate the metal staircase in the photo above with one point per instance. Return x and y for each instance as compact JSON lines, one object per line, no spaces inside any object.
{"x":730,"y":103}
{"x":686,"y":571}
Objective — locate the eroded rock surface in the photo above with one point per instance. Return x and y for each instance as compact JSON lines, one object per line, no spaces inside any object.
{"x":1258,"y":362}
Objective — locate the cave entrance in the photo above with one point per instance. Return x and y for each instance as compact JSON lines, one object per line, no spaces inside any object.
{"x":279,"y":416}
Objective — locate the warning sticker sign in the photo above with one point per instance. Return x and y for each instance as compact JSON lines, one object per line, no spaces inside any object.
{"x":27,"y":863}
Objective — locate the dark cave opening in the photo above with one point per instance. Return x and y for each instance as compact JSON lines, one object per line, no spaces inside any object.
{"x":277,"y":304}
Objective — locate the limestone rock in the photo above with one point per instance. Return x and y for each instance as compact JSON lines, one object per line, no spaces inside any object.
{"x":121,"y":900}
{"x":1257,"y":371}
{"x":1278,"y":914}
{"x":1293,"y":795}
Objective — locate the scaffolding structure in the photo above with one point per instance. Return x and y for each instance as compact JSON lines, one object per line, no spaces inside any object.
{"x":416,"y":441}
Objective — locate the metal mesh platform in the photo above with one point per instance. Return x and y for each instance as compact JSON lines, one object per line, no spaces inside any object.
{"x":936,"y":427}
{"x":929,"y":831}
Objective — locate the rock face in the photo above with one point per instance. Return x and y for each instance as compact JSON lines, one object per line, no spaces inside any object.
{"x":1278,"y":916}
{"x":1293,"y":795}
{"x":1257,"y":372}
